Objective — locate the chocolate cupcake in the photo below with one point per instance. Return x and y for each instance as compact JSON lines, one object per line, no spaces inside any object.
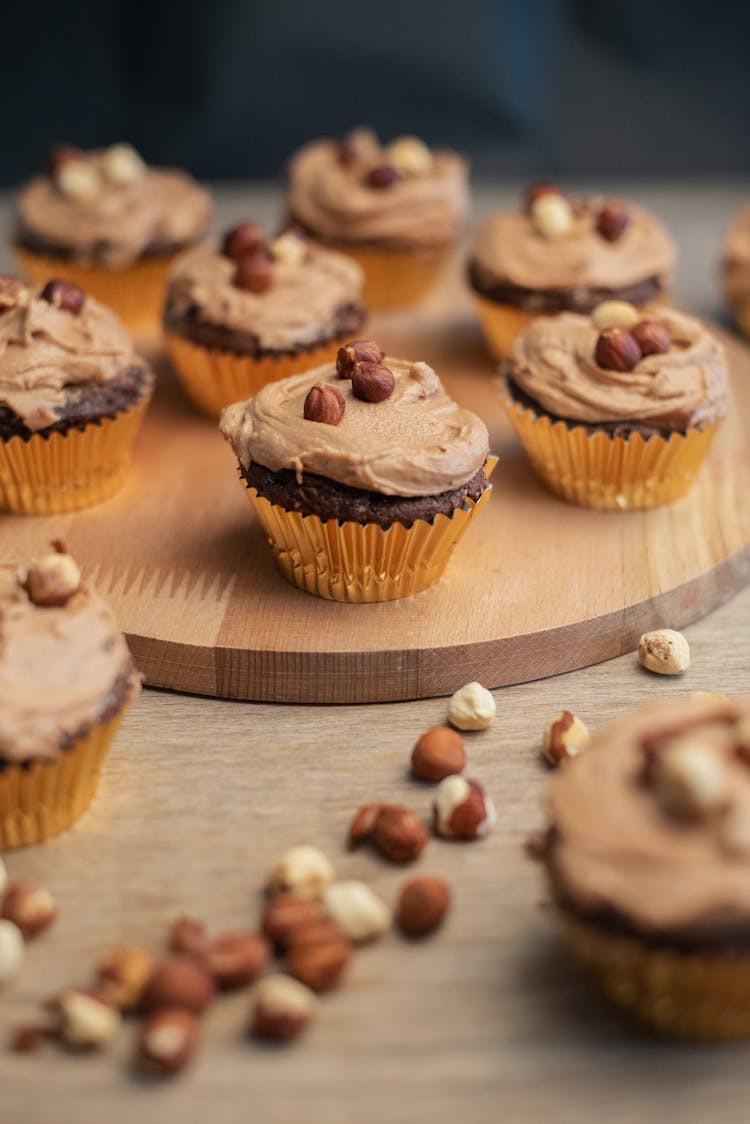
{"x":648,"y":859}
{"x":364,"y":473}
{"x":66,"y":677}
{"x":735,"y":268}
{"x":107,"y":222}
{"x":72,"y":396}
{"x":616,"y":412}
{"x":397,"y":209}
{"x":252,"y":311}
{"x":560,"y":254}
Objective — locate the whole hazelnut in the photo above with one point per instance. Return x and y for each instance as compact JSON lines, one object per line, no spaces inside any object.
{"x":240,"y":240}
{"x":282,"y":1008}
{"x":617,"y":350}
{"x":613,"y":220}
{"x":535,"y":191}
{"x":615,"y":314}
{"x":188,"y":936}
{"x":324,"y":404}
{"x":422,"y":905}
{"x":237,"y":959}
{"x":12,"y":951}
{"x":664,"y":651}
{"x":254,"y":272}
{"x":439,"y":753}
{"x":64,"y":295}
{"x":652,"y":337}
{"x":357,"y":351}
{"x":399,"y":834}
{"x":357,"y":911}
{"x":122,"y":164}
{"x":472,"y":707}
{"x":289,"y":248}
{"x":32,"y":910}
{"x":53,"y":580}
{"x":122,"y":974}
{"x":286,"y":914}
{"x":552,"y":215}
{"x":564,"y":736}
{"x":178,"y":981}
{"x":690,"y":780}
{"x":363,"y":824}
{"x":318,"y":955}
{"x":372,"y":382}
{"x":304,"y":870}
{"x":167,"y":1041}
{"x":85,"y":1021}
{"x":409,"y":155}
{"x":461,"y":810}
{"x":382,"y":175}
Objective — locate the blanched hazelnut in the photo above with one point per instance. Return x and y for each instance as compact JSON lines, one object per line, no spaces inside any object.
{"x":53,"y":580}
{"x":12,"y":951}
{"x":472,"y":707}
{"x":122,"y":164}
{"x":304,"y":870}
{"x":79,"y":180}
{"x":282,"y":1008}
{"x":357,"y":910}
{"x":552,"y":215}
{"x":409,"y":155}
{"x":690,"y":780}
{"x":289,"y":248}
{"x":664,"y":651}
{"x":86,"y":1021}
{"x":615,"y":314}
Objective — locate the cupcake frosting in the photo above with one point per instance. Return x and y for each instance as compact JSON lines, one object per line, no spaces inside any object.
{"x":617,"y":851}
{"x":61,"y":669}
{"x":418,"y":442}
{"x":333,"y":201}
{"x":300,"y":307}
{"x":45,"y":351}
{"x":553,"y":361}
{"x":736,"y":256}
{"x":510,"y":249}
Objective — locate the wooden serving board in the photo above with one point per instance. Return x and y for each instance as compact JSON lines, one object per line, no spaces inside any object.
{"x":535,"y":588}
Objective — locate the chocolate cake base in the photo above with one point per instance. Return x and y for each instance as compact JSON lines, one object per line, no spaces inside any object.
{"x":317,"y":495}
{"x":543,"y":302}
{"x":95,"y":255}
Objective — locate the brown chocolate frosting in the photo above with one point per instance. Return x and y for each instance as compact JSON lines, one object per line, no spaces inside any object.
{"x":553,"y":362}
{"x":47,"y":353}
{"x":736,"y":258}
{"x":59,"y":670}
{"x":418,"y":442}
{"x":509,"y":248}
{"x":616,"y":853}
{"x":331,"y":200}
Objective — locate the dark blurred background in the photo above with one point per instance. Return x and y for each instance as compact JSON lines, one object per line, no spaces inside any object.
{"x":227,"y":88}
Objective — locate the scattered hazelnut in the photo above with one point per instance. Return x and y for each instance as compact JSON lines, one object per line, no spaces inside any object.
{"x":79,"y":179}
{"x":286,"y":914}
{"x":122,"y":164}
{"x":472,"y":707}
{"x":85,"y":1021}
{"x":178,"y":981}
{"x":53,"y":580}
{"x":535,"y":191}
{"x":188,"y":936}
{"x":617,"y":350}
{"x":237,"y":959}
{"x":12,"y":293}
{"x":254,"y":272}
{"x":438,"y":753}
{"x":615,"y":314}
{"x":27,"y":1039}
{"x":363,"y":824}
{"x":399,"y":834}
{"x":64,"y":295}
{"x":613,"y":220}
{"x":357,"y":351}
{"x":167,"y":1041}
{"x":372,"y":382}
{"x":32,"y":910}
{"x":409,"y":155}
{"x":382,"y":175}
{"x":240,"y":240}
{"x":461,"y":810}
{"x":304,"y":870}
{"x":282,"y":1008}
{"x":122,"y":974}
{"x":358,"y":912}
{"x":318,"y":955}
{"x":552,"y":215}
{"x":422,"y":905}
{"x":564,"y":736}
{"x":690,"y":780}
{"x":652,"y":337}
{"x":324,"y":404}
{"x":664,"y":651}
{"x":289,"y":248}
{"x":12,"y":951}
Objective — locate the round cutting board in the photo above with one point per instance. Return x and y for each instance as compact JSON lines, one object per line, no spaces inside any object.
{"x":535,"y":587}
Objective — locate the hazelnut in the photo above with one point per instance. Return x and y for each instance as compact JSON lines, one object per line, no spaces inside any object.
{"x":535,"y":191}
{"x":652,"y":337}
{"x":690,"y":780}
{"x":304,"y":870}
{"x":53,"y":580}
{"x":79,"y":179}
{"x":613,"y":220}
{"x":461,"y":810}
{"x":167,"y":1041}
{"x":324,"y":404}
{"x":240,"y":240}
{"x":382,"y":175}
{"x":85,"y":1021}
{"x":282,"y":1008}
{"x":564,"y":736}
{"x":122,"y":164}
{"x":357,"y":351}
{"x":409,"y":155}
{"x":12,"y":293}
{"x":286,"y":914}
{"x":63,"y":154}
{"x":12,"y":951}
{"x":536,"y":844}
{"x":363,"y":824}
{"x":122,"y":974}
{"x":422,"y":905}
{"x":372,"y":382}
{"x":237,"y":959}
{"x":318,"y":955}
{"x":399,"y":834}
{"x":471,"y":708}
{"x":178,"y":981}
{"x":711,"y":696}
{"x":358,"y":912}
{"x":552,"y":215}
{"x":64,"y":295}
{"x":188,"y":936}
{"x":27,"y":1039}
{"x":3,"y":877}
{"x":254,"y":272}
{"x":615,"y":314}
{"x":664,"y":651}
{"x":32,"y":910}
{"x":289,"y":248}
{"x":617,"y":350}
{"x":438,"y":753}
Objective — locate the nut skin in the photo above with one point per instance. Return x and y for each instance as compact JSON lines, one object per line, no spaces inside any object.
{"x":471,"y":707}
{"x":652,"y":337}
{"x":439,"y":753}
{"x":52,"y":580}
{"x":282,"y":1009}
{"x":422,"y":905}
{"x":122,"y":974}
{"x":399,"y":834}
{"x":461,"y":810}
{"x":240,"y":240}
{"x":617,"y":350}
{"x":12,"y":293}
{"x":188,"y":936}
{"x":178,"y":981}
{"x":564,"y":736}
{"x":318,"y":955}
{"x":324,"y":404}
{"x":64,"y":295}
{"x":613,"y":220}
{"x":357,"y":351}
{"x":552,"y":215}
{"x":382,"y":176}
{"x":372,"y":382}
{"x":254,"y":273}
{"x":664,"y":651}
{"x":32,"y":910}
{"x":85,"y":1021}
{"x":237,"y":959}
{"x":167,"y":1041}
{"x":286,"y":914}
{"x":615,"y":314}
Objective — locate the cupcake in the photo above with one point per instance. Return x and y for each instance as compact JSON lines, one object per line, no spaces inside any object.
{"x":396,"y":209}
{"x":72,"y":396}
{"x":363,"y":472}
{"x":66,"y":677}
{"x":560,"y":254}
{"x":110,"y":224}
{"x":648,"y":858}
{"x":735,"y":268}
{"x":616,"y":412}
{"x":248,"y":312}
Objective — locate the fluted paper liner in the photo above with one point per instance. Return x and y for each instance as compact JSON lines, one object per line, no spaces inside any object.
{"x":692,"y":995}
{"x":213,"y":378}
{"x":501,"y":323}
{"x":135,"y":292}
{"x":397,"y":278}
{"x":609,"y":473}
{"x":362,"y":562}
{"x":67,"y":471}
{"x":47,"y":796}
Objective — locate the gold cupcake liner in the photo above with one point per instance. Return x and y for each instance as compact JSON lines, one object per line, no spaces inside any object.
{"x":397,"y":278}
{"x":67,"y":471}
{"x":135,"y":292}
{"x":362,"y":563}
{"x":48,"y":796}
{"x":501,"y":323}
{"x":702,"y":996}
{"x":213,"y":378}
{"x":609,"y":473}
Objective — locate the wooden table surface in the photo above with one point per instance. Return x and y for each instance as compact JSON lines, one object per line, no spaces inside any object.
{"x":487,"y":1021}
